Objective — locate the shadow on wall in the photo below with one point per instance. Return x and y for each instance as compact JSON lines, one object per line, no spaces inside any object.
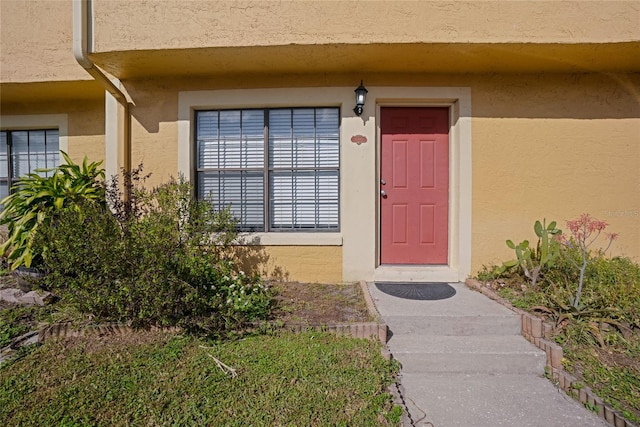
{"x":252,"y":258}
{"x":495,"y":95}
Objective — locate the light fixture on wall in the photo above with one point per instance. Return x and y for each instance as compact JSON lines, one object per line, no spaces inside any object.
{"x":361,"y":96}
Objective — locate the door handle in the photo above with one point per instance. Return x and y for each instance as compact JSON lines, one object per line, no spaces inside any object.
{"x":383,"y":194}
{"x":383,"y":182}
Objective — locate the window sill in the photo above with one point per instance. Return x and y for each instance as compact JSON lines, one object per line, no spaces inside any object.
{"x":291,"y":239}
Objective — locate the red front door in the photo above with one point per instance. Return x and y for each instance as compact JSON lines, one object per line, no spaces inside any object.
{"x":414,"y":185}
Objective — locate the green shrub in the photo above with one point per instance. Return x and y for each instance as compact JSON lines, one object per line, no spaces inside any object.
{"x":160,"y":258}
{"x":35,"y":199}
{"x":611,"y":285}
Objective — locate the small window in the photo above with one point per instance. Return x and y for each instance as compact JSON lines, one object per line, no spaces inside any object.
{"x":24,"y":151}
{"x":277,"y":169}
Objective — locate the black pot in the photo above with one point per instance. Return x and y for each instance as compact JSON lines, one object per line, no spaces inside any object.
{"x":27,"y":277}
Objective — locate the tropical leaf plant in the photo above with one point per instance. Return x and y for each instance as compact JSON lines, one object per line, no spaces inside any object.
{"x":35,"y":199}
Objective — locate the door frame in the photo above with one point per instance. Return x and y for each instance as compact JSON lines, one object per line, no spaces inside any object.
{"x":459,"y":233}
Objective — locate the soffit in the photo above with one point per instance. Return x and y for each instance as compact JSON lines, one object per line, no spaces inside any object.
{"x":47,"y":92}
{"x":373,"y":58}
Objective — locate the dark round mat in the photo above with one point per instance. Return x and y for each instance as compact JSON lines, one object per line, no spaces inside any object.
{"x":418,"y":291}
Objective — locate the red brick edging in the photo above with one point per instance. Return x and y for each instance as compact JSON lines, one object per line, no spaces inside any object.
{"x":369,"y":330}
{"x":538,"y":332}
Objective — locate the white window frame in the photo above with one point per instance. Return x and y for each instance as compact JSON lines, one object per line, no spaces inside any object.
{"x":191,"y":101}
{"x":59,"y":122}
{"x":268,"y":164}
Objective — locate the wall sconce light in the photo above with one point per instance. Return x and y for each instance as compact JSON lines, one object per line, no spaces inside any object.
{"x":361,"y":96}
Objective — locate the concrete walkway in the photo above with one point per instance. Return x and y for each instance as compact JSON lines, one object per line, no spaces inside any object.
{"x":464,"y":363}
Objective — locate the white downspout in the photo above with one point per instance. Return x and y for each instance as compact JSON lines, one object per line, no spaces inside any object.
{"x":82,"y":40}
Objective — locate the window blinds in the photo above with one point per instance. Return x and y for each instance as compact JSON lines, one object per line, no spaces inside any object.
{"x":25,"y":151}
{"x":299,"y":165}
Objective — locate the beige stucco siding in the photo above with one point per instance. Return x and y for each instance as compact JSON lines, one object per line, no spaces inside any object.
{"x":124,"y":25}
{"x":86,"y":133}
{"x":37,"y":34}
{"x":148,"y":38}
{"x":554,"y":147}
{"x":141,"y":39}
{"x":528,"y":169}
{"x":154,"y":128}
{"x":313,"y":264}
{"x":35,"y":37}
{"x":543,"y":146}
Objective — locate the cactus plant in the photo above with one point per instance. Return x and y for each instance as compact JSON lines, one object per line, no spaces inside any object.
{"x":534,"y":260}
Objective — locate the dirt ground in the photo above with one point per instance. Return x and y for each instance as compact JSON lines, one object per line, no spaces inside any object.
{"x":319,"y":304}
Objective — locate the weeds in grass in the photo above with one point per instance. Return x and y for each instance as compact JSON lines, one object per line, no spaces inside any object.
{"x":311,"y":379}
{"x":16,"y":320}
{"x":612,"y":373}
{"x":10,"y":327}
{"x":591,"y":407}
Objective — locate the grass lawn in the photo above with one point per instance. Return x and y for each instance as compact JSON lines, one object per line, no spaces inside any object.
{"x":154,"y":378}
{"x":160,"y":378}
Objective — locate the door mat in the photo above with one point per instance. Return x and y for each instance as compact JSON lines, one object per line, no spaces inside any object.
{"x":417,"y":291}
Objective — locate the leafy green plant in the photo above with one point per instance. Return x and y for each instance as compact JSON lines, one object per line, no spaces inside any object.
{"x":157,"y":258}
{"x":35,"y":199}
{"x":533,"y":261}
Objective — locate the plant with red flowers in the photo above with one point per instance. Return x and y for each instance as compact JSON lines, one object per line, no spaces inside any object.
{"x":585,"y":230}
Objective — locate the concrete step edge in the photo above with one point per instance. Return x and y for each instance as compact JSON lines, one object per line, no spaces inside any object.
{"x":477,"y":365}
{"x":499,"y":344}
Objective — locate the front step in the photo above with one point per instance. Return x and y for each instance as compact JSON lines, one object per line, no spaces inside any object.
{"x":489,"y":400}
{"x":508,"y":354}
{"x":464,"y":363}
{"x":454,"y":325}
{"x":468,"y":363}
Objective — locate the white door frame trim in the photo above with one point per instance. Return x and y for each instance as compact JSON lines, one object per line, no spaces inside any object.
{"x":460,"y":182}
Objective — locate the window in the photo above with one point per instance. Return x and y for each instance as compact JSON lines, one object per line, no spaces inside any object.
{"x":24,"y":151}
{"x":277,"y":169}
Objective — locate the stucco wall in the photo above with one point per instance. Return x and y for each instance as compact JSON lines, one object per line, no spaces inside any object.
{"x":313,"y":264}
{"x":86,"y":133}
{"x":36,"y":35}
{"x":544,"y":146}
{"x":154,"y":128}
{"x":441,"y":36}
{"x":175,"y":38}
{"x":555,"y":147}
{"x":36,"y":42}
{"x":175,"y":24}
